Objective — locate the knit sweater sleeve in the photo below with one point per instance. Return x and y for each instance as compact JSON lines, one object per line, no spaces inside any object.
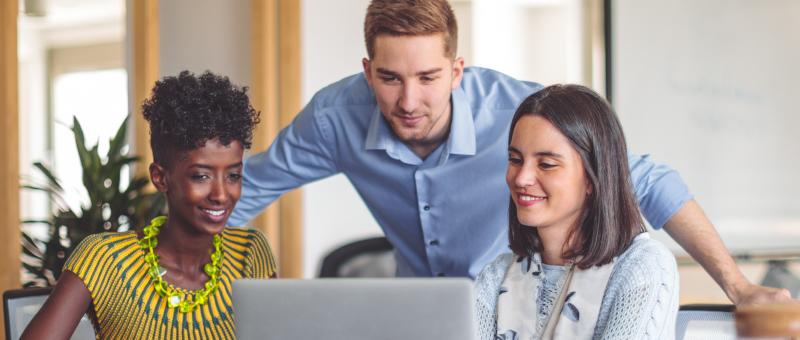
{"x":641,"y":299}
{"x":486,"y":290}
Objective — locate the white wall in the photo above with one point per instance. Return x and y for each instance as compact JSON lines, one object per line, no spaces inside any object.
{"x":33,"y":119}
{"x":533,"y":40}
{"x":710,"y":88}
{"x":199,"y":35}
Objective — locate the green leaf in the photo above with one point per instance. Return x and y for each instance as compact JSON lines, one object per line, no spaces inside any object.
{"x":80,"y":142}
{"x":35,"y":221}
{"x":49,"y":174}
{"x":116,"y":144}
{"x":30,"y":247}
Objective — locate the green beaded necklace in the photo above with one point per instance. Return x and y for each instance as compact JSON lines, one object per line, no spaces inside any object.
{"x":175,"y":299}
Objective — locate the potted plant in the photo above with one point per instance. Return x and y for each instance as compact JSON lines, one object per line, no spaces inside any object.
{"x":109,"y":208}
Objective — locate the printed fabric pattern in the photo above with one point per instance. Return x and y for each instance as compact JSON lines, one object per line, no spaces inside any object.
{"x":125,"y":305}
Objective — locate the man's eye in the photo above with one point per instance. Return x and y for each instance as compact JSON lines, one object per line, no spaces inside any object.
{"x":427,"y":79}
{"x":200,"y":177}
{"x":235,"y":176}
{"x":390,"y":79}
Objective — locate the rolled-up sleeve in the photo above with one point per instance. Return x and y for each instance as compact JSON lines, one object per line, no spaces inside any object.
{"x":660,"y":190}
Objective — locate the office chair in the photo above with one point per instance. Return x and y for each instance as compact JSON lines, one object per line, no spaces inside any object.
{"x":20,"y":305}
{"x":705,"y":321}
{"x":372,"y":257}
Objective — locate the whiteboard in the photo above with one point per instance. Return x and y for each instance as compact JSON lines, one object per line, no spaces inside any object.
{"x":712,"y":88}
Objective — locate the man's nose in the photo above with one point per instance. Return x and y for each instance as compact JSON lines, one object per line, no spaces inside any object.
{"x":409,"y":99}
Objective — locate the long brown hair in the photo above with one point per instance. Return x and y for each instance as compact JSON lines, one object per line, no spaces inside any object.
{"x":610,"y":219}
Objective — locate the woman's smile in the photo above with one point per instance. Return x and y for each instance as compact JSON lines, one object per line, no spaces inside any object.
{"x":526,"y":200}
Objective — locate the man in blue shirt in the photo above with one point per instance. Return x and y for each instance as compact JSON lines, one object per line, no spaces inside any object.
{"x":424,"y":142}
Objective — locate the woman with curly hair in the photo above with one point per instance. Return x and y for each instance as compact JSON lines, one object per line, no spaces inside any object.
{"x":171,"y":280}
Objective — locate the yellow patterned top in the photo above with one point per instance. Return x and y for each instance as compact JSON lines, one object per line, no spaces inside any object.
{"x":126,"y":306}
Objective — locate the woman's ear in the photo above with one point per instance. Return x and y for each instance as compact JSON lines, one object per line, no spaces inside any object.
{"x":158,"y":175}
{"x":589,"y":189}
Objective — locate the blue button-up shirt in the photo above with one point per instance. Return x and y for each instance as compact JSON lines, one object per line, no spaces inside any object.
{"x":446,"y":215}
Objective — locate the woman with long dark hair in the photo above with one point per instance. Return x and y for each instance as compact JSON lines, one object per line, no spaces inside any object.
{"x":582,"y":265}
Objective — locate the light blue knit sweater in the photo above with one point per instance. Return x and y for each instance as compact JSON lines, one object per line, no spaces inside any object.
{"x":640,"y":301}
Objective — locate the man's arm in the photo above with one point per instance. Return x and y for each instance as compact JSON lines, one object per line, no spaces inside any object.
{"x":301,"y":153}
{"x":693,"y":231}
{"x":667,"y":202}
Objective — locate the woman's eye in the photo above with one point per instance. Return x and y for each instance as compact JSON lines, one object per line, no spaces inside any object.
{"x":514,"y":160}
{"x":546,"y":165}
{"x":235,"y":176}
{"x":200,"y":177}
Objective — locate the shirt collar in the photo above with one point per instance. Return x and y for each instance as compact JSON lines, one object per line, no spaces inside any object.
{"x":462,"y":129}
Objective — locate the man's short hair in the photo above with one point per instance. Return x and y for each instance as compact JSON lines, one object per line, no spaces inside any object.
{"x":411,"y":18}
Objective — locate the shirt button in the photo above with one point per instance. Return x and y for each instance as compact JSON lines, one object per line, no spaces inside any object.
{"x":434,"y":242}
{"x":427,"y":207}
{"x":441,"y":275}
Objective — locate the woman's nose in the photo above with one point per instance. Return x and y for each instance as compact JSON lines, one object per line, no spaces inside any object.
{"x":218,"y":193}
{"x":525,"y":178}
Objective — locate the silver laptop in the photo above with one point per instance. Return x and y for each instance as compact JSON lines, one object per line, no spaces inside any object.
{"x":441,"y":309}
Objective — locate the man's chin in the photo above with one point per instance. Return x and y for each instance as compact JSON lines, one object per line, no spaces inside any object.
{"x":410,"y":138}
{"x":408,"y":135}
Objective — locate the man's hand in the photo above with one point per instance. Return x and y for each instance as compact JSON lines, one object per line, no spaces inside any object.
{"x":694,"y":232}
{"x":751,"y":294}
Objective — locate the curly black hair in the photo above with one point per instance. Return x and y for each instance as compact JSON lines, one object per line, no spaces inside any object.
{"x":186,"y":111}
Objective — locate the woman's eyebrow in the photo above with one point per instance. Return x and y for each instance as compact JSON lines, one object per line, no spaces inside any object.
{"x":203,"y":166}
{"x":538,"y":154}
{"x":548,"y":154}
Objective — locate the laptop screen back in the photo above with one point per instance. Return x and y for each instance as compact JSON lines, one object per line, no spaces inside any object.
{"x":441,"y":309}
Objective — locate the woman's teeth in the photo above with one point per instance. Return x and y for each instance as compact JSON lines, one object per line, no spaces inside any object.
{"x":214,"y":212}
{"x":531,"y":198}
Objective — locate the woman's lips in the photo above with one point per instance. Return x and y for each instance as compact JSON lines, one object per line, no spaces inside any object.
{"x":215,"y":215}
{"x":524,"y":200}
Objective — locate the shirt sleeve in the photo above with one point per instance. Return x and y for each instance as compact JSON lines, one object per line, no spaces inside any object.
{"x":659,"y":189}
{"x":85,"y":260}
{"x":260,"y":263}
{"x":302,"y":152}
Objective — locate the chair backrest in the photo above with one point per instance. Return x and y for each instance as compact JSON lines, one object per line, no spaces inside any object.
{"x":705,"y":322}
{"x":372,"y":257}
{"x":20,"y":305}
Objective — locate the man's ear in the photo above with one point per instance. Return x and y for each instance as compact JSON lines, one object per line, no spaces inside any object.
{"x":367,"y":71}
{"x":158,"y":175}
{"x":458,"y":72}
